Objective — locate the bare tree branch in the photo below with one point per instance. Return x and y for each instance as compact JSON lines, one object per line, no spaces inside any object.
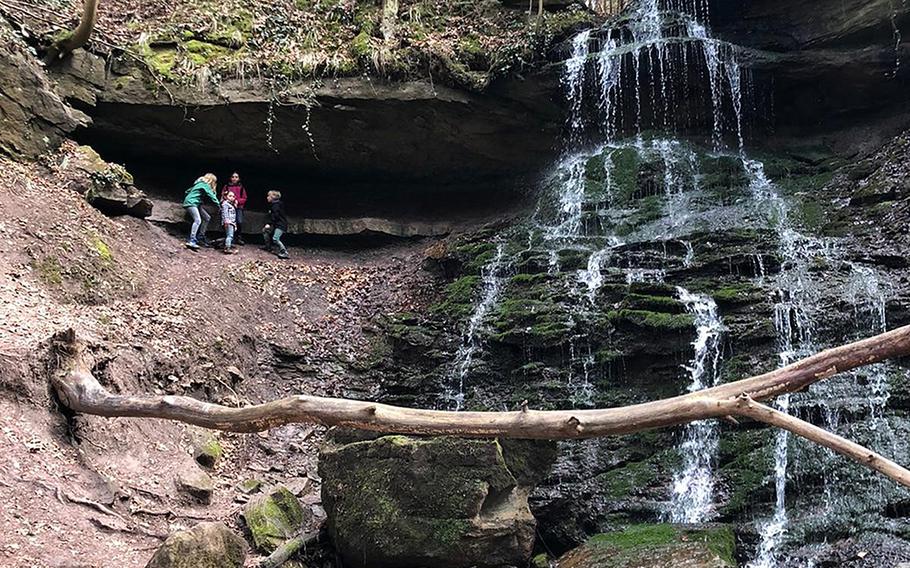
{"x":80,"y":391}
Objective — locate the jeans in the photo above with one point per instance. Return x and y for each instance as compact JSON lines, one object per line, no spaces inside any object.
{"x":273,"y":237}
{"x":239,"y":222}
{"x":229,"y":238}
{"x":201,"y":219}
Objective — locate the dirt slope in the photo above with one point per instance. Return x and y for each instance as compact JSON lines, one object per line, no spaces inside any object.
{"x":85,"y":491}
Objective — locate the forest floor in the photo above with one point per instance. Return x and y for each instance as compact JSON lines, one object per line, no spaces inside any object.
{"x":81,"y":491}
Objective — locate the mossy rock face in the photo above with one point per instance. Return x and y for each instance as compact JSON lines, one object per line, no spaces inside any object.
{"x":646,"y":546}
{"x":273,"y":518}
{"x":405,"y":502}
{"x":207,"y":545}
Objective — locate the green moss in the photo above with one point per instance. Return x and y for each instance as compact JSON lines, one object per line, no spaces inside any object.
{"x":638,"y":536}
{"x":459,"y":298}
{"x":653,"y":303}
{"x":203,"y":52}
{"x":470,"y":46}
{"x":360,"y":46}
{"x":653,"y":320}
{"x":49,"y":270}
{"x":161,"y":60}
{"x":104,"y":252}
{"x":639,"y":542}
{"x":540,"y":561}
{"x":273,"y":518}
{"x":620,"y":483}
{"x":625,"y":173}
{"x":737,"y":293}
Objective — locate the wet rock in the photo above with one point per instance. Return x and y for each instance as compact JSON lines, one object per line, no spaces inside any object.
{"x":108,"y":187}
{"x":403,"y":502}
{"x":274,"y":518}
{"x":645,"y":546}
{"x":207,"y":545}
{"x":33,"y":117}
{"x":197,"y":484}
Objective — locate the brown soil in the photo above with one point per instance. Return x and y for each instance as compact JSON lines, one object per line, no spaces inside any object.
{"x":90,"y":491}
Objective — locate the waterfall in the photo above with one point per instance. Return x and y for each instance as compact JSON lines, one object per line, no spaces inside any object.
{"x":692,"y":497}
{"x":491,"y":277}
{"x":623,"y":80}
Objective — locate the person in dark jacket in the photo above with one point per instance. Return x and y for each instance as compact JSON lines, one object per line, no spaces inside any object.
{"x":277,"y":225}
{"x":234,"y":186}
{"x":203,"y":189}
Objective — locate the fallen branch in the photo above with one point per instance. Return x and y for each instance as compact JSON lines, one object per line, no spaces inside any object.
{"x":284,"y":552}
{"x":81,"y":392}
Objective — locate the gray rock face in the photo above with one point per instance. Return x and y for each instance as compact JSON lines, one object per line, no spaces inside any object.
{"x":33,"y":118}
{"x":207,"y":545}
{"x":404,"y":502}
{"x":173,"y":213}
{"x":108,"y":187}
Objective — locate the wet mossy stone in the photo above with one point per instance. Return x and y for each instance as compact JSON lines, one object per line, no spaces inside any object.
{"x":401,"y":502}
{"x":273,"y":518}
{"x":207,"y":451}
{"x":206,"y":545}
{"x":638,"y":546}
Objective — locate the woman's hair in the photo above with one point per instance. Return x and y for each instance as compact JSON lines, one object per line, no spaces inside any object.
{"x":210,"y":179}
{"x":275,"y":194}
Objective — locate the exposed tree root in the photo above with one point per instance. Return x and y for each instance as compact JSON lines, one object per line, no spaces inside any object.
{"x":80,"y":391}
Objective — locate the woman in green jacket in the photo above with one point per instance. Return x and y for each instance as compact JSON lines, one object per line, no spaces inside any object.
{"x":203,"y":188}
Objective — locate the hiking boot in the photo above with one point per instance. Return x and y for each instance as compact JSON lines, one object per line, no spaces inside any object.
{"x":192,"y":246}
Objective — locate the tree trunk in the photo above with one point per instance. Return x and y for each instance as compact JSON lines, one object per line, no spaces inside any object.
{"x":80,"y":36}
{"x":80,"y":391}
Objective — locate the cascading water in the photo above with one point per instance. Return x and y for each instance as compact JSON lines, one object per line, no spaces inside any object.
{"x":491,"y":278}
{"x":625,"y":80}
{"x":692,"y":497}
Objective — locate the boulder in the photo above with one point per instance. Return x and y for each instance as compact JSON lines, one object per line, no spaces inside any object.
{"x":207,"y":450}
{"x":33,"y":118}
{"x":108,"y":187}
{"x":401,"y":502}
{"x":207,"y":545}
{"x":273,"y":518}
{"x":197,"y":484}
{"x":644,"y":546}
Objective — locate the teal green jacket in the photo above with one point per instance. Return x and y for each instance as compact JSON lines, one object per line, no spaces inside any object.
{"x":197,"y":193}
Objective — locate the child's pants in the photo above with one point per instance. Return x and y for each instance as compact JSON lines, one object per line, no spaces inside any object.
{"x":273,"y":237}
{"x":229,"y":236}
{"x":201,"y":219}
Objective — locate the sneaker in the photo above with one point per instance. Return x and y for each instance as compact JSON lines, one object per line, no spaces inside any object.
{"x":192,"y":246}
{"x":239,"y":242}
{"x":266,"y":249}
{"x":231,"y":250}
{"x":205,"y":244}
{"x":283,"y":254}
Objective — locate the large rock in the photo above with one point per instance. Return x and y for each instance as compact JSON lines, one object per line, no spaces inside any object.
{"x":647,"y":546}
{"x":404,"y":502}
{"x":108,"y":187}
{"x":273,"y":518}
{"x":207,"y":545}
{"x":33,"y":118}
